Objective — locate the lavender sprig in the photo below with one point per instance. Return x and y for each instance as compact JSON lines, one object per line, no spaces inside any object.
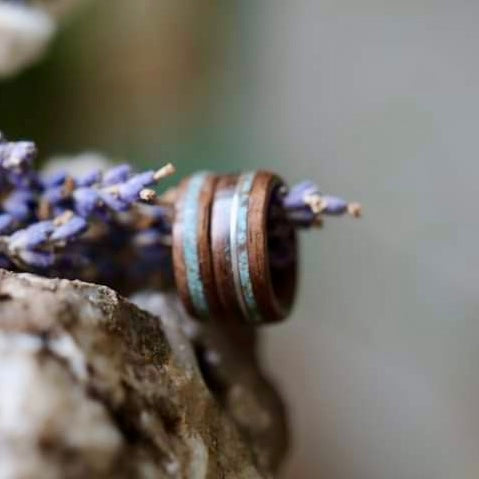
{"x":35,"y":246}
{"x":96,"y":194}
{"x":53,"y":223}
{"x":16,"y":160}
{"x":305,"y":205}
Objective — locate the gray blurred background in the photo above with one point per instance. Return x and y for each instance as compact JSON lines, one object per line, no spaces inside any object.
{"x":378,"y":101}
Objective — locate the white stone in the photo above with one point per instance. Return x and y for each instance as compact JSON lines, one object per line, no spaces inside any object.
{"x":24,"y":35}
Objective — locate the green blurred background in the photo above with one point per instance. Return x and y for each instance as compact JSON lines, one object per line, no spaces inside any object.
{"x":378,"y":101}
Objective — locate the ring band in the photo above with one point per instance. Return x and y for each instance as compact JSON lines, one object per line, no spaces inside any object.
{"x":224,"y":248}
{"x":191,"y":251}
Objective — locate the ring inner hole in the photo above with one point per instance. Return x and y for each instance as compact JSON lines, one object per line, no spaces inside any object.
{"x":282,"y":252}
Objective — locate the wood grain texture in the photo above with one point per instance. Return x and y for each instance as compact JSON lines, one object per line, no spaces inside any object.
{"x":273,"y":290}
{"x":205,"y":250}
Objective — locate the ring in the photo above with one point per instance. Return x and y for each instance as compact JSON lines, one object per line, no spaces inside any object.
{"x":234,"y":250}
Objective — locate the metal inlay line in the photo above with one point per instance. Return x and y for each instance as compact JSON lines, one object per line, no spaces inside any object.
{"x":239,"y":246}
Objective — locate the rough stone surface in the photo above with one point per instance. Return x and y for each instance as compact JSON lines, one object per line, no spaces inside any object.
{"x":93,"y":386}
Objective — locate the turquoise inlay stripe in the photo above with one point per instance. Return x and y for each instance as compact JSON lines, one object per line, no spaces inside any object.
{"x":190,"y":242}
{"x":244,"y":189}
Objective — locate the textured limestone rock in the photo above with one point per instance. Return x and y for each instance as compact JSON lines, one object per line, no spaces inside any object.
{"x":93,"y":386}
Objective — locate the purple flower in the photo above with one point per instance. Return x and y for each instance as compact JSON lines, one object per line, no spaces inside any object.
{"x":55,"y":194}
{"x":32,"y":237}
{"x":86,"y":201}
{"x":305,"y":205}
{"x":303,"y":218}
{"x":18,"y":204}
{"x":334,"y":205}
{"x":6,"y":222}
{"x":89,"y":179}
{"x":294,"y":199}
{"x":43,"y":218}
{"x":117,"y":174}
{"x":70,"y":230}
{"x":55,"y":179}
{"x":130,"y":190}
{"x":37,"y":259}
{"x":113,"y":202}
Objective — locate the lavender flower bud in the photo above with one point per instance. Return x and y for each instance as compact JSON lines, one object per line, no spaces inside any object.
{"x":6,"y":222}
{"x":130,"y":191}
{"x":113,"y":202}
{"x":18,"y":204}
{"x":302,"y":218}
{"x":294,"y":199}
{"x":70,"y":230}
{"x":54,"y":195}
{"x":55,"y":179}
{"x":37,"y":259}
{"x":31,"y":237}
{"x":89,"y":179}
{"x":117,"y":174}
{"x":305,"y":205}
{"x":333,"y":205}
{"x":86,"y":201}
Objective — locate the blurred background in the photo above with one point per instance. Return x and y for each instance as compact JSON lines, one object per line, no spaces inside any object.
{"x":376,"y":100}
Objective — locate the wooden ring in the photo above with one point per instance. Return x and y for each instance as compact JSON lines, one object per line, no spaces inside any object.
{"x":268,"y":288}
{"x":234,"y":251}
{"x":191,"y":246}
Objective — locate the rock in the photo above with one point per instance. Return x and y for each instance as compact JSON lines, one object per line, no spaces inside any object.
{"x":93,"y":386}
